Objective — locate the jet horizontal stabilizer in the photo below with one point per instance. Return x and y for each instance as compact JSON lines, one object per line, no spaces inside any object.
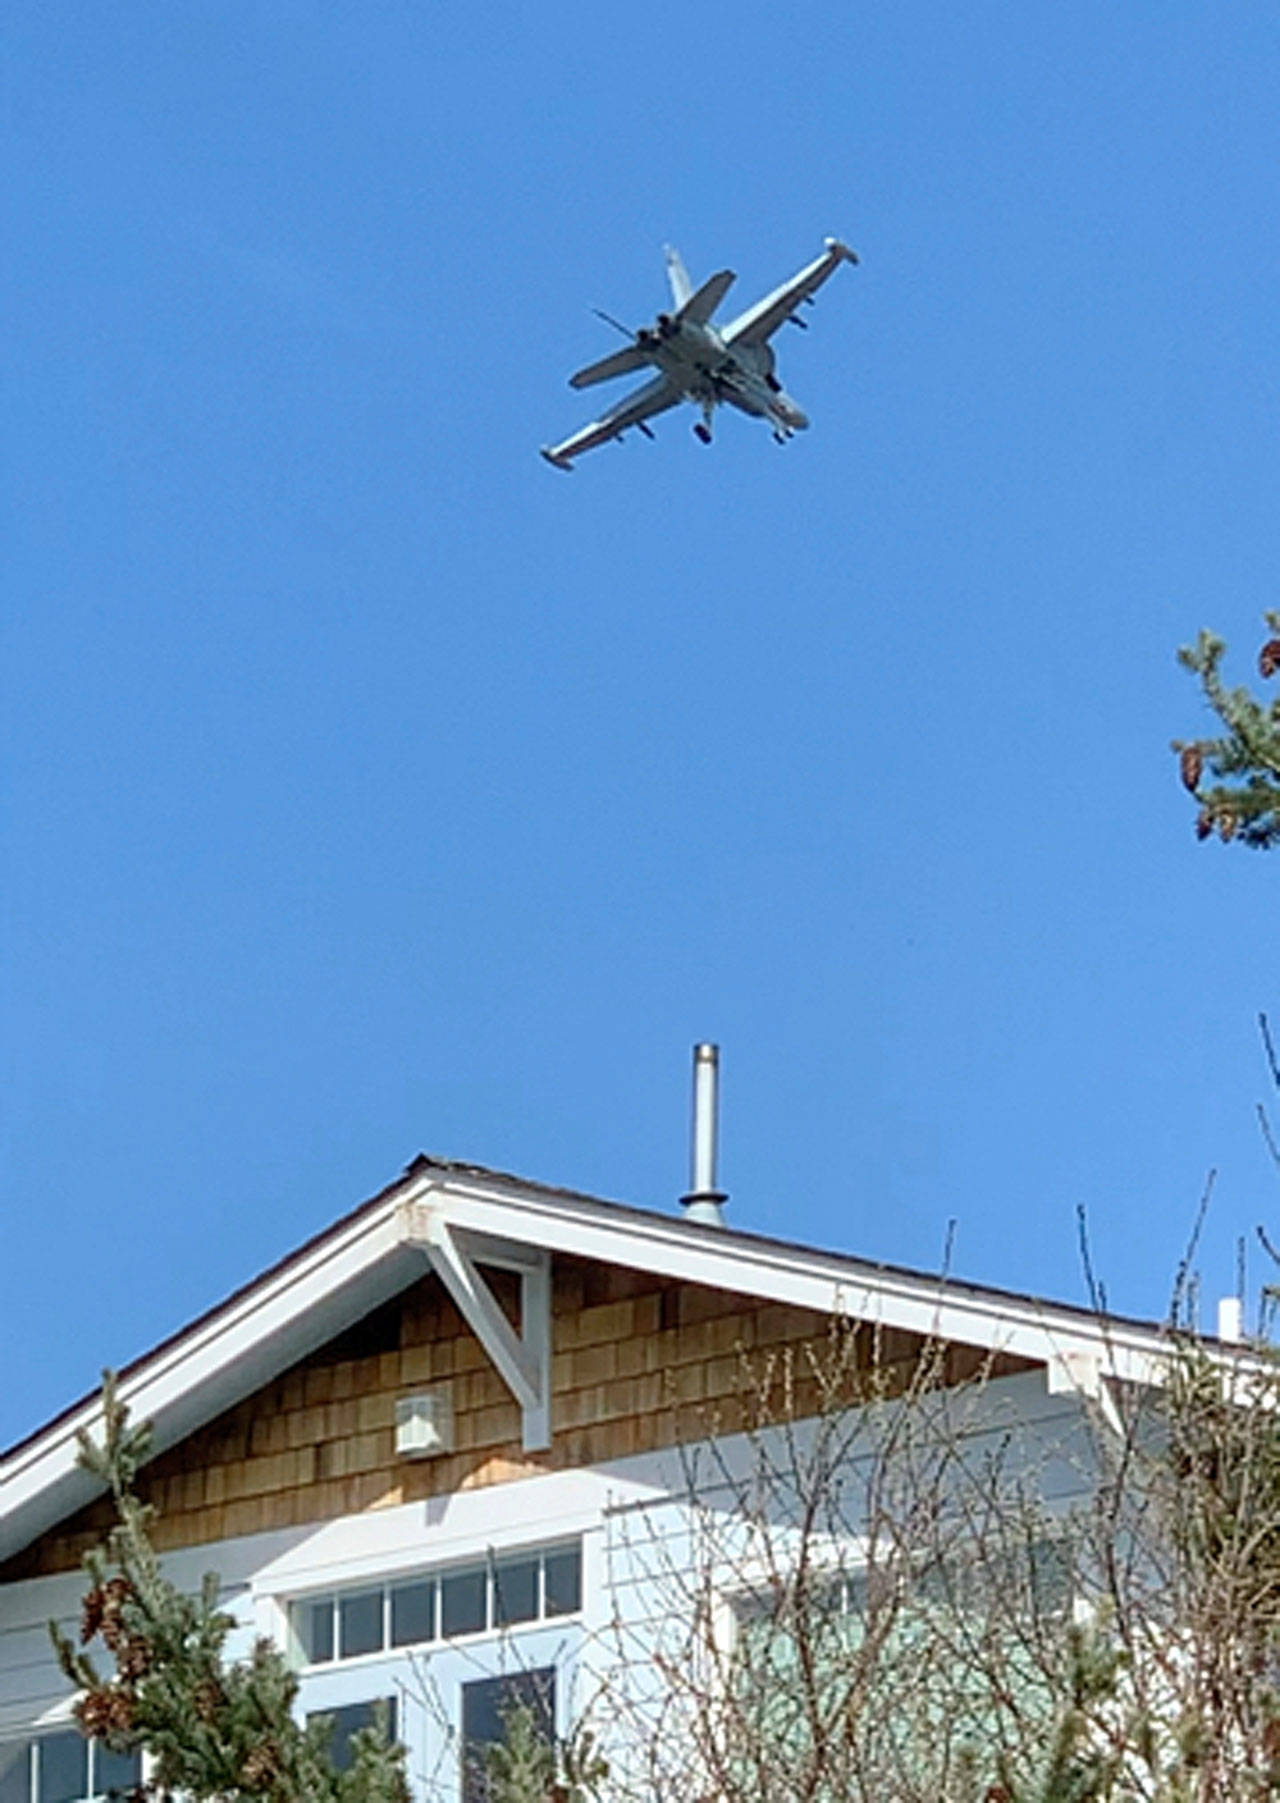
{"x":618,"y":363}
{"x":700,"y":306}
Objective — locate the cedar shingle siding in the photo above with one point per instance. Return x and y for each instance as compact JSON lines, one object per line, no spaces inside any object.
{"x":639,"y":1362}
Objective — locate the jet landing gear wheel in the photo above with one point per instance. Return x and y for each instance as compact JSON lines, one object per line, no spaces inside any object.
{"x":702,"y":433}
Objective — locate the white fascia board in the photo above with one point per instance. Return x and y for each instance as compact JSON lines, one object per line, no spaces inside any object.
{"x":216,"y":1364}
{"x":313,"y":1296}
{"x":821,"y":1281}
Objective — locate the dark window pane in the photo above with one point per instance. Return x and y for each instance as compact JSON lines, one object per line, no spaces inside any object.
{"x":487,"y":1706}
{"x":413,"y":1613}
{"x":563,"y":1581}
{"x":15,"y":1772}
{"x":515,"y":1591}
{"x":64,"y":1767}
{"x":114,"y":1774}
{"x":1050,"y":1577}
{"x":359,"y":1624}
{"x":462,"y":1603}
{"x":315,"y":1631}
{"x":348,"y":1721}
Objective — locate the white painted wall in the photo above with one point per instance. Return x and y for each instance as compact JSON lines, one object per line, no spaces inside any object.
{"x":637,"y":1523}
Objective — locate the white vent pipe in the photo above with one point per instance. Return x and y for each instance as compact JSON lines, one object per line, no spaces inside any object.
{"x":704,"y":1202}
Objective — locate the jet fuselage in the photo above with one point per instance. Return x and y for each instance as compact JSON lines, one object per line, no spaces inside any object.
{"x":696,"y":357}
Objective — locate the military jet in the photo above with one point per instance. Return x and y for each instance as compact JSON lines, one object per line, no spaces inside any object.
{"x":702,"y":363}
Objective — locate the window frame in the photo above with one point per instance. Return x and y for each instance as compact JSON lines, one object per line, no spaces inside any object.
{"x":548,"y":1703}
{"x":486,"y":1564}
{"x":30,"y":1743}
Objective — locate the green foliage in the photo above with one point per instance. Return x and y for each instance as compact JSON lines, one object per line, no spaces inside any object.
{"x":1244,"y":799}
{"x":217,"y":1731}
{"x":530,"y":1768}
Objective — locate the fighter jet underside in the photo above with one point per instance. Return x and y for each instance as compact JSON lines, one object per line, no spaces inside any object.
{"x":699,"y":362}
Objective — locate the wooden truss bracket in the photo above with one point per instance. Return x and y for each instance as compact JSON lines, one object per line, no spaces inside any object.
{"x":1083,"y":1374}
{"x":523,"y":1360}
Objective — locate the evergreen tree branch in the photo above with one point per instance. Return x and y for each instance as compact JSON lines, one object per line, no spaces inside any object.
{"x":1244,"y":800}
{"x":216,"y":1730}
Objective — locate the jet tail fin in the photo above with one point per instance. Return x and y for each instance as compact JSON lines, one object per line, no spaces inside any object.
{"x":678,"y":276}
{"x":618,"y":363}
{"x":700,"y":306}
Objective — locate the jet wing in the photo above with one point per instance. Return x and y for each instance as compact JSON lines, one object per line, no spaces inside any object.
{"x":762,"y":320}
{"x":642,"y":404}
{"x":617,"y":363}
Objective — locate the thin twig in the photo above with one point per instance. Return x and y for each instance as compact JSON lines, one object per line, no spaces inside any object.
{"x":1183,"y":1277}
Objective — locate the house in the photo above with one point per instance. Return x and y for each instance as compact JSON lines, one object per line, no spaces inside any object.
{"x":426,"y":1453}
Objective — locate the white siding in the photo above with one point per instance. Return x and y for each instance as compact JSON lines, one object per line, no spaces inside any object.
{"x":644,"y":1522}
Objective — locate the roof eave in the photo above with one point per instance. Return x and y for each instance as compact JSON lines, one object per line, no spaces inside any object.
{"x":368,"y":1256}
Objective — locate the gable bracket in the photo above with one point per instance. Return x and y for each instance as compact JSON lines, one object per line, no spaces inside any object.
{"x":523,"y":1360}
{"x":1083,"y":1374}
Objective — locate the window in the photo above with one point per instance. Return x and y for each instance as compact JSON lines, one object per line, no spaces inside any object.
{"x":413,"y":1612}
{"x":64,"y":1768}
{"x":359,"y":1624}
{"x":463,"y":1602}
{"x":903,"y":1634}
{"x":490,"y":1707}
{"x":350,"y":1720}
{"x":466,"y":1599}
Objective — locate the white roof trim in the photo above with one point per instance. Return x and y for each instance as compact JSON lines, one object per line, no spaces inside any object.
{"x":774,"y":1271}
{"x":365,"y":1260}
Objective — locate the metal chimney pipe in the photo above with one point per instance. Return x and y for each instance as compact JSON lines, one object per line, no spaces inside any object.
{"x":704,"y":1201}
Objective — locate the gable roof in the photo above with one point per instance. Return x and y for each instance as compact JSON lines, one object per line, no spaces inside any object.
{"x":380,"y":1248}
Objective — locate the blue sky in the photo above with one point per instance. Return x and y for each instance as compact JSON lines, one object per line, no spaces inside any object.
{"x":369,"y":786}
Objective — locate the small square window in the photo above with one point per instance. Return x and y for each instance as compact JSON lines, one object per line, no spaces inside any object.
{"x":314,"y":1626}
{"x":360,"y":1624}
{"x":348,"y":1721}
{"x":487,"y":1707}
{"x":462,"y":1602}
{"x":413,"y":1613}
{"x":115,"y":1774}
{"x":563,"y":1581}
{"x":515,"y":1591}
{"x":64,"y":1767}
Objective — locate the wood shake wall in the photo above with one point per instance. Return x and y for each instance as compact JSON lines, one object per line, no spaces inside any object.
{"x":639,"y":1363}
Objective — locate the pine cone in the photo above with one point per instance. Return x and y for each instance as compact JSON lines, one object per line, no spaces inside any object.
{"x":116,"y":1592}
{"x":94,"y":1713}
{"x":123,"y":1713}
{"x":1227,"y":824}
{"x":1191,"y":764}
{"x":91,"y":1611}
{"x":1204,"y":824}
{"x":134,"y":1658}
{"x":1269,"y":657}
{"x":261,"y":1766}
{"x":208,"y":1699}
{"x":105,"y":1711}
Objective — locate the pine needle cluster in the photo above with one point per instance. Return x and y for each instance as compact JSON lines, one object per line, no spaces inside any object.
{"x":216,"y":1730}
{"x":1243,"y":799}
{"x":528,"y":1766}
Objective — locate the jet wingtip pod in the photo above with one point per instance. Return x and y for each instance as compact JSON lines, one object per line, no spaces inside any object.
{"x":559,"y":463}
{"x":841,"y":249}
